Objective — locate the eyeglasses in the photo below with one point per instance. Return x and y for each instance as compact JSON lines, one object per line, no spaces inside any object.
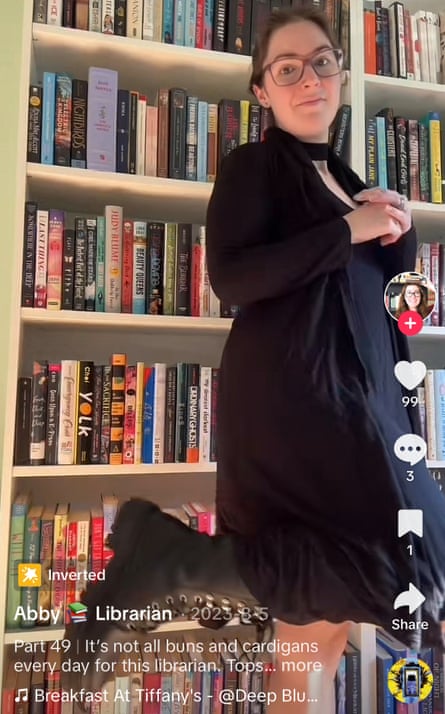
{"x":289,"y":70}
{"x":412,"y":294}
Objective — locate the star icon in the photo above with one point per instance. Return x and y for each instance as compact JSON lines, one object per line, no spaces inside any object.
{"x":30,"y":574}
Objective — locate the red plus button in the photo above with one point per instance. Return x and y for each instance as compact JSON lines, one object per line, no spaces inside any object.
{"x":410,"y":322}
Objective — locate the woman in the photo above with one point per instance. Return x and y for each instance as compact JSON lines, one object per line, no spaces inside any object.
{"x":413,"y":297}
{"x":308,"y":486}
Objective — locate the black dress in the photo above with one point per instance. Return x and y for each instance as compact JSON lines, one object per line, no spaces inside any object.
{"x":308,"y":407}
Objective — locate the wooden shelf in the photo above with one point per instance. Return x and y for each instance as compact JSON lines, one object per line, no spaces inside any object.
{"x":112,"y":471}
{"x":103,"y":320}
{"x":430,"y":333}
{"x":143,"y":66}
{"x":144,"y":197}
{"x":408,"y":97}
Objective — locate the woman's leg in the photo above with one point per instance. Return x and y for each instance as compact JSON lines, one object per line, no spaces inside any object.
{"x":308,"y":672}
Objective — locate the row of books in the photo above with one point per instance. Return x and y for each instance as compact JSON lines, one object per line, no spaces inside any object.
{"x":113,"y":264}
{"x":182,"y":672}
{"x":188,"y":673}
{"x":67,"y":544}
{"x":430,"y":262}
{"x":207,"y":24}
{"x":404,"y":44}
{"x":431,"y":396}
{"x":406,"y":155}
{"x":93,"y":124}
{"x":78,"y":412}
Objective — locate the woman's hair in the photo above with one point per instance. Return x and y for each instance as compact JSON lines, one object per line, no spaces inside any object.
{"x":422,"y":308}
{"x":276,"y":20}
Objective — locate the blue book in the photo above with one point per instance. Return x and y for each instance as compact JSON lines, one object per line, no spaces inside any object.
{"x":48,"y":117}
{"x":190,"y":10}
{"x":386,"y":704}
{"x":439,"y":412}
{"x":381,"y":152}
{"x":203,"y":121}
{"x":179,"y":22}
{"x":168,"y":21}
{"x":148,"y":415}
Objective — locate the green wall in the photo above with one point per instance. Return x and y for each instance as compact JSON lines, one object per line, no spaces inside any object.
{"x":11,"y":12}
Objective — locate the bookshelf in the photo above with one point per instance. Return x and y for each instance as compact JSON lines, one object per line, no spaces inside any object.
{"x":210,"y":75}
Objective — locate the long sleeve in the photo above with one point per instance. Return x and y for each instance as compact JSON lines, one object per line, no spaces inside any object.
{"x":400,"y":257}
{"x":246,"y":263}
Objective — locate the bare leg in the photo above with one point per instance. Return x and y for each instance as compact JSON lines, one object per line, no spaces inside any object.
{"x":303,"y":680}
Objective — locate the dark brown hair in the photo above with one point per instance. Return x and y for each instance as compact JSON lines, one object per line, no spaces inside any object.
{"x":278,"y":19}
{"x":423,"y":308}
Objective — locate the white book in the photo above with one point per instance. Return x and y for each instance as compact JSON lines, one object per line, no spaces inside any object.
{"x":135,"y":12}
{"x":113,"y":258}
{"x":69,"y":377}
{"x":214,"y":304}
{"x":422,"y":34}
{"x":416,"y":51}
{"x":205,"y":396}
{"x":54,"y":13}
{"x":95,"y":16}
{"x":107,"y":23}
{"x":41,"y":266}
{"x":141,"y":135}
{"x":148,"y":28}
{"x":432,"y":52}
{"x":159,"y":412}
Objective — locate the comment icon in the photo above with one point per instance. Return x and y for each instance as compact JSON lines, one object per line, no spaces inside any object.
{"x":410,"y":448}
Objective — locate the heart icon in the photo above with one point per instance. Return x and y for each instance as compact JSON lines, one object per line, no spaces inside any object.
{"x":410,"y":374}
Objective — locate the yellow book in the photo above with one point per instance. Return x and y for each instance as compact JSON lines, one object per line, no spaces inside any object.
{"x":244,"y":121}
{"x":435,"y":159}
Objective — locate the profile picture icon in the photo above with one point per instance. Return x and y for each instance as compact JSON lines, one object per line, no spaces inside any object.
{"x":412,"y":292}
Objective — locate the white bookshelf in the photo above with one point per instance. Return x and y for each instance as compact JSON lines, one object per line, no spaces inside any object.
{"x":210,"y":75}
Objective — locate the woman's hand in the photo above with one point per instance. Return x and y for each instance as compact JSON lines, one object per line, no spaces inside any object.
{"x":401,"y":211}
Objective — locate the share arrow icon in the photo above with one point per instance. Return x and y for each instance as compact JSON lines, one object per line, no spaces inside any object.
{"x":411,"y":598}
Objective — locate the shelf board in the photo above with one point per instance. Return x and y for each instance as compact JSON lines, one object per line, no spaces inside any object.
{"x":408,"y":97}
{"x":430,"y":333}
{"x":143,"y":66}
{"x":91,"y":470}
{"x":105,"y":320}
{"x":144,"y":197}
{"x":150,"y":323}
{"x":435,"y":464}
{"x":47,"y":634}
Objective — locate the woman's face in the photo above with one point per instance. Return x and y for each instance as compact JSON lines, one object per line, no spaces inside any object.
{"x":307,"y":107}
{"x":413,"y":297}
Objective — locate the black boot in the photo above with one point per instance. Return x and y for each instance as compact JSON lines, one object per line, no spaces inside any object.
{"x":161,"y":570}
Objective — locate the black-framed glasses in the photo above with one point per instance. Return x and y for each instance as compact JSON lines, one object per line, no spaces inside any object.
{"x":289,"y":70}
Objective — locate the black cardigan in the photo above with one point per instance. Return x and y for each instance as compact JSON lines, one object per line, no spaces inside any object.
{"x":307,"y":542}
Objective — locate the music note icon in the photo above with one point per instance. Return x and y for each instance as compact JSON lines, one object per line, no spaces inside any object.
{"x":22,"y":695}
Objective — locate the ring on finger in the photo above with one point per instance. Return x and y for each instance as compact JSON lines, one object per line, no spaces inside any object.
{"x":402,"y":203}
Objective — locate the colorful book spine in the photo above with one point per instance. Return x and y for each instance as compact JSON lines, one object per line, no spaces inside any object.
{"x":55,"y":259}
{"x":102,"y":111}
{"x":113,"y":263}
{"x":48,"y":116}
{"x":118,"y":365}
